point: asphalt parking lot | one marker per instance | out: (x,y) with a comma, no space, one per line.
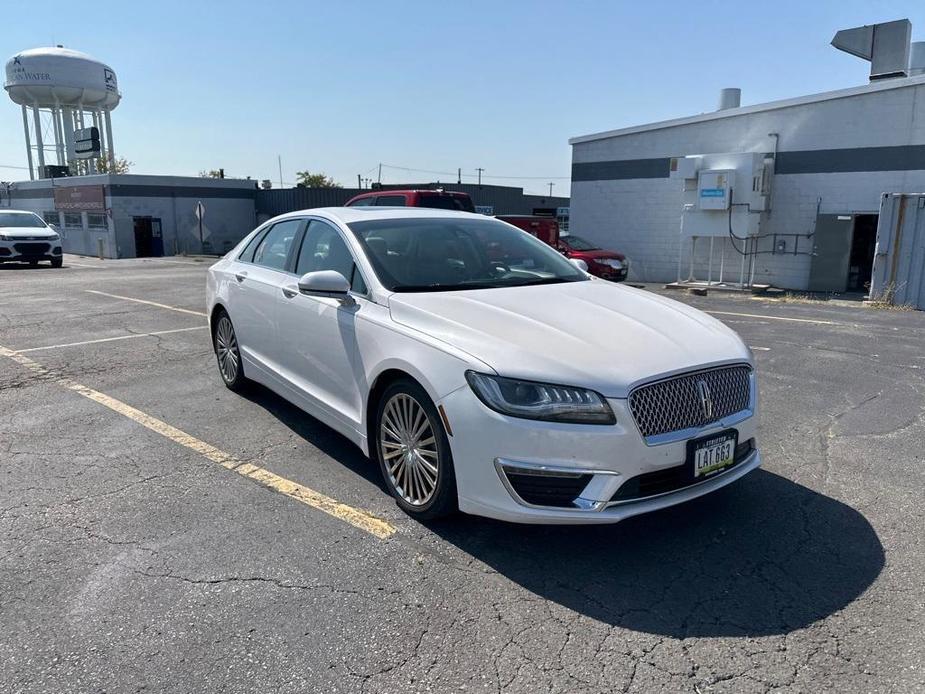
(160,533)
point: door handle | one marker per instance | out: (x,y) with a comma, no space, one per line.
(240,276)
(290,292)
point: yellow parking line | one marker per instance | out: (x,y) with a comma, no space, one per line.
(145,301)
(354,516)
(758,315)
(113,339)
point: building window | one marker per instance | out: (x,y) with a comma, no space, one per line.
(73,220)
(50,218)
(95,220)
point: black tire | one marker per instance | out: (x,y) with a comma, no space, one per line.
(33,263)
(57,262)
(228,353)
(416,457)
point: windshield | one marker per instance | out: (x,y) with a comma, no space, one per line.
(420,255)
(576,243)
(446,202)
(11,219)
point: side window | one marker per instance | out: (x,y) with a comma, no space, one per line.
(273,249)
(325,249)
(364,202)
(247,255)
(391,201)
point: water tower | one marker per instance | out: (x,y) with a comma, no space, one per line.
(66,97)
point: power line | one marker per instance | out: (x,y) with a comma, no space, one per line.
(454,173)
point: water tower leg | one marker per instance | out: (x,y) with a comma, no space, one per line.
(112,149)
(37,119)
(59,134)
(67,120)
(25,127)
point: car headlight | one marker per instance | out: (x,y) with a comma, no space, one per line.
(544,401)
(614,263)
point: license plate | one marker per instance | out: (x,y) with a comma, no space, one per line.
(713,453)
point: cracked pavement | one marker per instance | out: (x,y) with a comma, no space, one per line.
(130,563)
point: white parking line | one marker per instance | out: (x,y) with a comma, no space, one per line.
(758,315)
(111,339)
(145,301)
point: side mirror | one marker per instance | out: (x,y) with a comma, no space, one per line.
(579,263)
(326,283)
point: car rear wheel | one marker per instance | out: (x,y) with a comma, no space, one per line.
(414,453)
(228,353)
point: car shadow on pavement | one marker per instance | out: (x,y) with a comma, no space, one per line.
(316,433)
(763,556)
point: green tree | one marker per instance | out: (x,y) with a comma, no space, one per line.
(121,165)
(307,179)
(211,173)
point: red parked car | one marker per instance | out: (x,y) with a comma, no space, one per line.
(546,229)
(608,265)
(435,199)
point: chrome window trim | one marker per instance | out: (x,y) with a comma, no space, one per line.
(346,241)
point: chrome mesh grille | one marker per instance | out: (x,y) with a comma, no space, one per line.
(676,403)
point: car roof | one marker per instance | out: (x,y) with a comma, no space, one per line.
(397,191)
(5,210)
(347,215)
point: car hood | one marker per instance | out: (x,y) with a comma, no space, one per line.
(27,232)
(593,334)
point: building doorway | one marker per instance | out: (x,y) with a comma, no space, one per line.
(843,252)
(863,242)
(149,239)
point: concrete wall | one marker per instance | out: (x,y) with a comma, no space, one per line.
(837,154)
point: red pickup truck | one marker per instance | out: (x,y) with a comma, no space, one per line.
(435,199)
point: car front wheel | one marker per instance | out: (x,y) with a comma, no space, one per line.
(414,453)
(228,353)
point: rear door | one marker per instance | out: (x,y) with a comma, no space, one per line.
(832,253)
(259,276)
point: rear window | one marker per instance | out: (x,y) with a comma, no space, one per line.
(437,201)
(391,201)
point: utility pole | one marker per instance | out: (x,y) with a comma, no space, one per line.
(279,160)
(551,184)
(459,175)
(379,180)
(480,170)
(359,181)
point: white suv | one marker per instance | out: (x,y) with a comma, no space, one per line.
(26,238)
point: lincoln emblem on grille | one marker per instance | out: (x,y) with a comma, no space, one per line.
(706,399)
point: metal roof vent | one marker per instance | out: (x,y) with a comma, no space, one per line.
(917,61)
(731,97)
(885,45)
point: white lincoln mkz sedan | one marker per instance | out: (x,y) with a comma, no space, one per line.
(481,369)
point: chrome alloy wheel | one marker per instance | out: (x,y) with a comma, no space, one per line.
(226,349)
(409,449)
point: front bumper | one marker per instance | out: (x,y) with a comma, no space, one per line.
(594,461)
(24,251)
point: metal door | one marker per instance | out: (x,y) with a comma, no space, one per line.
(157,238)
(832,253)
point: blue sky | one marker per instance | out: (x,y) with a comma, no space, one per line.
(340,87)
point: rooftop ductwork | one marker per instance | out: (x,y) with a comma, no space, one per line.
(886,46)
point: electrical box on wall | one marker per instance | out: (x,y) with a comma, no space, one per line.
(713,189)
(683,167)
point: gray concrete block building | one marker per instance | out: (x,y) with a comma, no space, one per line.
(128,216)
(829,157)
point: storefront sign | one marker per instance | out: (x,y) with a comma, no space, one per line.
(79,198)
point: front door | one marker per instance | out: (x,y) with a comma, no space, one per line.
(143,237)
(317,335)
(832,253)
